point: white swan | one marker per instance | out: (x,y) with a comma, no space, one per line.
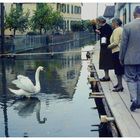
(25,85)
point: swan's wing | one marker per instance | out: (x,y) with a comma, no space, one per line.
(24,83)
(19,92)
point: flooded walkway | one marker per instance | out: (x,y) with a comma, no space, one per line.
(127,122)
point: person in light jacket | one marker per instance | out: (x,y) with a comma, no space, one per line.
(130,57)
(115,40)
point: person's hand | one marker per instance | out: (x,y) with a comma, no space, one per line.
(108,47)
(98,31)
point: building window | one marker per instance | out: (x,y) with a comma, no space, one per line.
(79,10)
(64,24)
(68,25)
(40,5)
(68,8)
(64,8)
(129,11)
(19,6)
(75,9)
(72,9)
(59,7)
(124,16)
(71,23)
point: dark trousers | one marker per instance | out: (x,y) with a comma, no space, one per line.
(118,68)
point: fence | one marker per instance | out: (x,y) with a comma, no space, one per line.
(22,43)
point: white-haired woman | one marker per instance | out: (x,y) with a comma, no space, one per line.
(115,40)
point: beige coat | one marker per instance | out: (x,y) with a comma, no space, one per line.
(115,40)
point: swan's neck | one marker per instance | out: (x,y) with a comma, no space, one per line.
(37,82)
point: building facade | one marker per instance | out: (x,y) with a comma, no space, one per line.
(125,11)
(25,7)
(71,12)
(109,12)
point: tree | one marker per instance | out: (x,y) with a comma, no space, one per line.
(87,25)
(83,25)
(77,26)
(16,20)
(41,18)
(56,20)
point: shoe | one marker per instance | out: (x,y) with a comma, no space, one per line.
(115,86)
(104,79)
(133,106)
(118,89)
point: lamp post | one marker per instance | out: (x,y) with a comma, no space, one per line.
(97,10)
(1,28)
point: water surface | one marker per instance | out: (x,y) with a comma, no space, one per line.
(61,109)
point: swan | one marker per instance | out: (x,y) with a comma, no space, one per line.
(25,85)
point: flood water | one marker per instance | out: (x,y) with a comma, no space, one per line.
(61,109)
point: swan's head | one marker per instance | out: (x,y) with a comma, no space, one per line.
(40,68)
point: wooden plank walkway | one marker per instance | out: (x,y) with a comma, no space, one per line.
(127,122)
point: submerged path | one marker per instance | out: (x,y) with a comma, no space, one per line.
(127,122)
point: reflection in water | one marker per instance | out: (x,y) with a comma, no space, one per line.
(56,111)
(60,78)
(26,106)
(4,94)
(58,82)
(103,129)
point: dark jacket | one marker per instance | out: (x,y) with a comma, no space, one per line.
(105,61)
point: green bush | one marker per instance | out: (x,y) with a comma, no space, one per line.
(32,33)
(77,26)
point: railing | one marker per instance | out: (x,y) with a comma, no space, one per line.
(22,43)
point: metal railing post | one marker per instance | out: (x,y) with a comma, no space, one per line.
(2,28)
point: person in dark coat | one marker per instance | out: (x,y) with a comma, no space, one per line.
(105,61)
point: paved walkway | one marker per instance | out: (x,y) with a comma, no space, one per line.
(128,122)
